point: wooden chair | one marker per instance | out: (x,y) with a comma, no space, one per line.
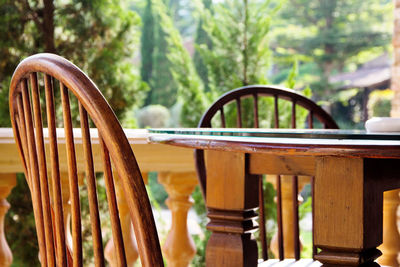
(28,121)
(276,96)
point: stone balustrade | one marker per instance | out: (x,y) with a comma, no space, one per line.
(176,170)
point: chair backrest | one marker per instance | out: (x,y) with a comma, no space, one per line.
(28,121)
(260,96)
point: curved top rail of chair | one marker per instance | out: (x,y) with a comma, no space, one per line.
(267,90)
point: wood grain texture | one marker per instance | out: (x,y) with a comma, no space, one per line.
(348,211)
(285,165)
(55,174)
(44,187)
(232,215)
(74,81)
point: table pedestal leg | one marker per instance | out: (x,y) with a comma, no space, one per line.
(348,212)
(231,200)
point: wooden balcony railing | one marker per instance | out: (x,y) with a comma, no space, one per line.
(176,170)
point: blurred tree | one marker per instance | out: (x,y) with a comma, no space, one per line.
(190,87)
(156,67)
(181,12)
(99,36)
(331,33)
(395,82)
(147,46)
(240,51)
(164,87)
(202,38)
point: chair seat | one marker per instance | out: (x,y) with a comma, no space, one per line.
(290,262)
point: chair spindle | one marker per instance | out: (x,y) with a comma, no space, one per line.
(113,207)
(279,216)
(239,113)
(311,120)
(24,141)
(296,227)
(34,174)
(61,249)
(44,187)
(221,112)
(73,179)
(276,112)
(261,216)
(293,114)
(255,107)
(91,185)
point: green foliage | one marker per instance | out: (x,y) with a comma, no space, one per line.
(190,87)
(240,51)
(331,34)
(164,87)
(379,103)
(158,193)
(154,116)
(202,38)
(98,36)
(202,239)
(20,226)
(147,43)
(105,223)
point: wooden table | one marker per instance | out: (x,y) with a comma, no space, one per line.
(351,169)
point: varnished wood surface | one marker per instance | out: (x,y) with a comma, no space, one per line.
(284,146)
(348,188)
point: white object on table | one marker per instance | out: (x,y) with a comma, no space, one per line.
(383,124)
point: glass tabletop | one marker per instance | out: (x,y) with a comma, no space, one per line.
(282,133)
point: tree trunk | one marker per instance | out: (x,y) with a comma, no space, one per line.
(395,81)
(48,26)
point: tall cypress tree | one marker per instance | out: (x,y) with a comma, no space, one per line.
(189,85)
(147,47)
(164,87)
(202,39)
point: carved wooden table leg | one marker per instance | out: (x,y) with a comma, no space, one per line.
(348,212)
(287,213)
(179,248)
(7,182)
(232,212)
(391,238)
(131,250)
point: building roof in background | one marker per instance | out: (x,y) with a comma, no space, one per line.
(372,74)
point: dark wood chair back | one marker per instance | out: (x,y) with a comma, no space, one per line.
(28,121)
(276,95)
